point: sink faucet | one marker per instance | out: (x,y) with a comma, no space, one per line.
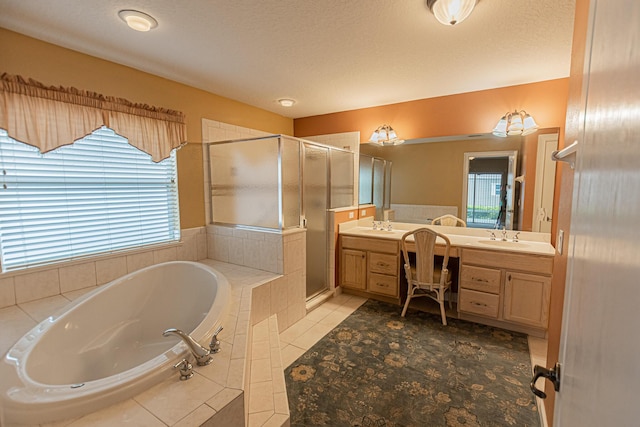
(515,236)
(202,355)
(504,234)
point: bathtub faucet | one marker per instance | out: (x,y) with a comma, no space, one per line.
(202,355)
(214,346)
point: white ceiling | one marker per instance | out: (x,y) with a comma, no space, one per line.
(328,55)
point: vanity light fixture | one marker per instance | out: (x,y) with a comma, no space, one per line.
(451,12)
(516,123)
(137,20)
(286,102)
(385,135)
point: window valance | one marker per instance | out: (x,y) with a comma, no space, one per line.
(48,117)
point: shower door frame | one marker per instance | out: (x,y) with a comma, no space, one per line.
(328,232)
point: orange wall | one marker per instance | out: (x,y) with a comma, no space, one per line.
(57,66)
(461,114)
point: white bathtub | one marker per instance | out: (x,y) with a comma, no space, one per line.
(108,345)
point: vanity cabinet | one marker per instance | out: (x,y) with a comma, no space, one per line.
(353,269)
(370,267)
(505,289)
(526,298)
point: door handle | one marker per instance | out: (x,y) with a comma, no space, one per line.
(552,375)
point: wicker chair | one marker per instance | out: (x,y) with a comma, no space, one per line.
(449,220)
(425,278)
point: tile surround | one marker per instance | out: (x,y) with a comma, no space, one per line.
(280,253)
(7,292)
(214,396)
(32,286)
(20,287)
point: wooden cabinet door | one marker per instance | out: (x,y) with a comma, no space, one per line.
(526,299)
(353,269)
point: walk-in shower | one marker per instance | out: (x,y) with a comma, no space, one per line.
(279,182)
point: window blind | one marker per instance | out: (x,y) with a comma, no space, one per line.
(98,195)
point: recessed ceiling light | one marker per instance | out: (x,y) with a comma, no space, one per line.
(286,102)
(137,20)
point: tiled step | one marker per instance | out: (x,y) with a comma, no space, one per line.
(268,404)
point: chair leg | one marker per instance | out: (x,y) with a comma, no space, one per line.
(406,304)
(443,314)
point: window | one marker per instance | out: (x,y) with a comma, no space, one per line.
(96,196)
(483,193)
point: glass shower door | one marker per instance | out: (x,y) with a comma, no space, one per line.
(314,205)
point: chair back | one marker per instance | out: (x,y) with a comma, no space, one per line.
(425,246)
(449,220)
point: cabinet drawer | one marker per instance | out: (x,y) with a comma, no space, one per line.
(513,261)
(369,244)
(479,303)
(381,284)
(480,279)
(383,263)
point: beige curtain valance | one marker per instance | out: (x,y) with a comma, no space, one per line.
(49,117)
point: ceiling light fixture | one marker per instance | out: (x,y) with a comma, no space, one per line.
(451,12)
(516,123)
(137,20)
(286,102)
(385,135)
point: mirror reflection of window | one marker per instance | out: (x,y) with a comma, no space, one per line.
(484,198)
(489,189)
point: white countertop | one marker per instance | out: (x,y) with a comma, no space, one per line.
(461,237)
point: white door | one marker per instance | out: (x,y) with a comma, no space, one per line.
(600,342)
(545,183)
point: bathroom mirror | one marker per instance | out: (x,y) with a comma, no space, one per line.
(430,171)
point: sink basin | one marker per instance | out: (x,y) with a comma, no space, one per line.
(503,244)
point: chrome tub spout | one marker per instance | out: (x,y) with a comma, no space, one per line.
(202,355)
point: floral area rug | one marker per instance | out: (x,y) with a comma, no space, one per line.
(379,369)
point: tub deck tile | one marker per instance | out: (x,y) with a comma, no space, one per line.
(217,393)
(172,399)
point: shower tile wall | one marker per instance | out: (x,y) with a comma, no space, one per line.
(24,287)
(283,254)
(255,249)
